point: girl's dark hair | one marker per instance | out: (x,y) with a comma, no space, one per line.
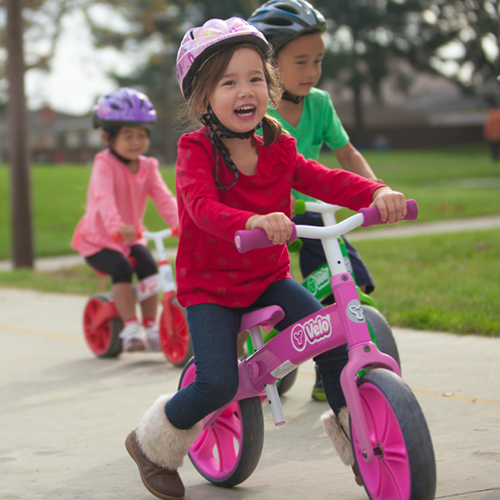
(213,70)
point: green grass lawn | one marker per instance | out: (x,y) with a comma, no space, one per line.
(444,282)
(59,194)
(449,183)
(431,177)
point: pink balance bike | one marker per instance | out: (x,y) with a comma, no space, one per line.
(390,437)
(102,323)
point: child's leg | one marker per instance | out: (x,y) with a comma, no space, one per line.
(312,255)
(149,307)
(124,297)
(119,268)
(363,277)
(167,430)
(213,330)
(145,266)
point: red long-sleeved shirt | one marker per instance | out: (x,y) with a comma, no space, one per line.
(209,269)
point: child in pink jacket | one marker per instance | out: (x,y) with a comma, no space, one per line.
(121,181)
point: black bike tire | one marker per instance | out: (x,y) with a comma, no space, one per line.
(286,383)
(116,345)
(382,331)
(414,429)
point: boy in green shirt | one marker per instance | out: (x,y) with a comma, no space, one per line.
(294,28)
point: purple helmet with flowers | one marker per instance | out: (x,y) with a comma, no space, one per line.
(200,43)
(123,107)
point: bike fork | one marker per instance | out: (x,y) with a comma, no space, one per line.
(363,354)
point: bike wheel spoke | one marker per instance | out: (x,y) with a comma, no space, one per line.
(226,450)
(230,423)
(203,443)
(396,454)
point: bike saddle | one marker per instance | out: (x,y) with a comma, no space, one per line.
(266,318)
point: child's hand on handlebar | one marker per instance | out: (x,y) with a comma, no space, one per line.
(127,233)
(391,204)
(277,226)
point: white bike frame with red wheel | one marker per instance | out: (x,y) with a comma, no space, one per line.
(174,331)
(102,323)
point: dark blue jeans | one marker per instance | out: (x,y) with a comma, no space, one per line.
(213,331)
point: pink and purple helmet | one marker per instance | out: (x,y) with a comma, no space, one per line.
(123,107)
(200,43)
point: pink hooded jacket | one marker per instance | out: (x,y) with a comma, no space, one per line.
(116,197)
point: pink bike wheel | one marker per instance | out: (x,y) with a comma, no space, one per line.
(227,452)
(404,466)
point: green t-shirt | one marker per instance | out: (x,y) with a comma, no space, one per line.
(318,124)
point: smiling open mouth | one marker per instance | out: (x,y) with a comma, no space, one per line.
(245,111)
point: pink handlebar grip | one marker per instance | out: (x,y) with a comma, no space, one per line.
(372,216)
(256,238)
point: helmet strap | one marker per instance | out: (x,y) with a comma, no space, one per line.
(292,98)
(218,130)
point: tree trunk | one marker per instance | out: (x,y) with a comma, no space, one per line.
(22,237)
(170,143)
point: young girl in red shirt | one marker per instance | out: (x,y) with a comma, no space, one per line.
(230,179)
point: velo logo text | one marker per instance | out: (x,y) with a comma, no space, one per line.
(312,331)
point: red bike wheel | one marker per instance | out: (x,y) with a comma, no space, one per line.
(174,334)
(228,451)
(404,465)
(103,339)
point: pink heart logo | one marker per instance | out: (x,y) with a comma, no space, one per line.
(298,337)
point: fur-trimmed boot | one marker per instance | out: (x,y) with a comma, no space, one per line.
(337,429)
(158,448)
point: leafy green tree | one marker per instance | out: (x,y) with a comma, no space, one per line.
(457,38)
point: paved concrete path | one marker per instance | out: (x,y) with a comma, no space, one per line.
(399,231)
(64,415)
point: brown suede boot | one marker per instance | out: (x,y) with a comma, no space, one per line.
(337,429)
(158,448)
(156,479)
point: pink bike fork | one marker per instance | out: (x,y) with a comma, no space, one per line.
(363,354)
(305,340)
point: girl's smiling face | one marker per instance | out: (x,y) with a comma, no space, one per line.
(299,62)
(130,142)
(240,97)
